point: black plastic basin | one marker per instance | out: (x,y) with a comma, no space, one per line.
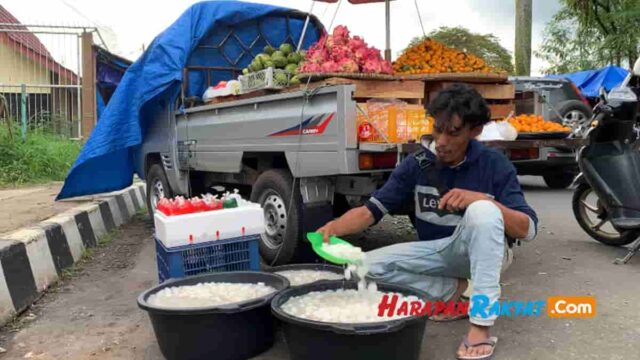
(314,340)
(228,332)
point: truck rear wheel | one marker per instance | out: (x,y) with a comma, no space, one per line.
(157,187)
(559,179)
(282,205)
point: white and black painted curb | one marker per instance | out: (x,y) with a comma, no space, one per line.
(33,258)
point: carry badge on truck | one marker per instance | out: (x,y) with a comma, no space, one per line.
(314,125)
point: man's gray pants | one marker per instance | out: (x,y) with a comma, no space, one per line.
(475,251)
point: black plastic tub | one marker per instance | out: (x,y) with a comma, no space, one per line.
(320,267)
(313,340)
(228,332)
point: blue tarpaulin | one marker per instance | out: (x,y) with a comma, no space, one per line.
(590,81)
(106,162)
(110,69)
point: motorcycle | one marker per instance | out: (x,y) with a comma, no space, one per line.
(606,201)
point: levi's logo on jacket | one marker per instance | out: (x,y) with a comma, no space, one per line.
(427,201)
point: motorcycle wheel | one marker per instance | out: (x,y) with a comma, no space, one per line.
(585,203)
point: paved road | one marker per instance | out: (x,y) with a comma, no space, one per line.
(93,315)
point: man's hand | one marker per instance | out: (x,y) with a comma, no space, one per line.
(352,222)
(327,230)
(458,199)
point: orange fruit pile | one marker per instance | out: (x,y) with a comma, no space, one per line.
(431,57)
(527,123)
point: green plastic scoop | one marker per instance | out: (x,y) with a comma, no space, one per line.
(316,243)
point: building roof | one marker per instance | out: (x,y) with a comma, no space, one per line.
(30,45)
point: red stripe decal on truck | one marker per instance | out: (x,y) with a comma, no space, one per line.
(314,125)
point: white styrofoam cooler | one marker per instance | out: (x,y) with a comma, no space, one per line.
(205,226)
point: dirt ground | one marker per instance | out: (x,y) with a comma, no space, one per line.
(30,205)
(94,315)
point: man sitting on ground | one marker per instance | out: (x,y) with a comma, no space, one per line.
(467,198)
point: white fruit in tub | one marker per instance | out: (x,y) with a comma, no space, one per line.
(301,277)
(208,294)
(341,306)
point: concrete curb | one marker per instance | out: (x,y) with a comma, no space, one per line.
(33,258)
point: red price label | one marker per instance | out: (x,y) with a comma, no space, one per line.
(365,131)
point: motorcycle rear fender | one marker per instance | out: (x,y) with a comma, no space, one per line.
(579,179)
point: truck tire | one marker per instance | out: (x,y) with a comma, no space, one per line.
(572,111)
(157,187)
(558,180)
(274,190)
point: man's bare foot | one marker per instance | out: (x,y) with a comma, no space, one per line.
(462,287)
(476,334)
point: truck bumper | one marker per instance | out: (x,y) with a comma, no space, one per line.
(549,160)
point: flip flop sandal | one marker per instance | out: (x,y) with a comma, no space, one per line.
(448,318)
(451,318)
(492,341)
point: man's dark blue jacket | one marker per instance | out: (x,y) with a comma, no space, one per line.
(484,170)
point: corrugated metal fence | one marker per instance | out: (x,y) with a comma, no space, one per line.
(40,77)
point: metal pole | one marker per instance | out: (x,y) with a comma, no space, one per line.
(23,111)
(306,24)
(78,89)
(88,92)
(387,51)
(18,26)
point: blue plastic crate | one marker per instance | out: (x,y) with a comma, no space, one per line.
(237,254)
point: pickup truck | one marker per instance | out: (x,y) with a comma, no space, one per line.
(296,153)
(556,100)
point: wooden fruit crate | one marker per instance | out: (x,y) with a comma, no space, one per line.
(417,89)
(499,96)
(410,91)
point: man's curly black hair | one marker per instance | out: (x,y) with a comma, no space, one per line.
(461,100)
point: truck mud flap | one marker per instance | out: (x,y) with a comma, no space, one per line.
(314,216)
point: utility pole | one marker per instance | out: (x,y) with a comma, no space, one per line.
(523,37)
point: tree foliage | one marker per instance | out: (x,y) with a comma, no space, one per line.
(568,48)
(485,46)
(592,33)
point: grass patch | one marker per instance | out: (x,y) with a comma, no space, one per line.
(88,253)
(108,238)
(42,158)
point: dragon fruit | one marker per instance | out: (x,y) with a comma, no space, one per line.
(339,52)
(372,66)
(310,68)
(387,68)
(357,43)
(361,55)
(341,35)
(317,56)
(330,67)
(349,66)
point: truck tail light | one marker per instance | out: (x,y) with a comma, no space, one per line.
(579,93)
(524,154)
(365,161)
(370,161)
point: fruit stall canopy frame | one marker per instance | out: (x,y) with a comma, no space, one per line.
(387,50)
(150,87)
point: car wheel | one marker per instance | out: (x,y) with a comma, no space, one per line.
(282,215)
(559,179)
(157,187)
(573,112)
